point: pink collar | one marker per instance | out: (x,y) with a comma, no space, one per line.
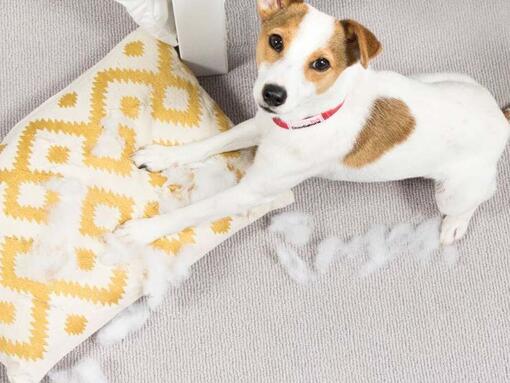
(307,122)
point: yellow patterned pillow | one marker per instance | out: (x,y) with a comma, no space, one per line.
(66,179)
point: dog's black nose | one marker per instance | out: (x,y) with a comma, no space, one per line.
(274,95)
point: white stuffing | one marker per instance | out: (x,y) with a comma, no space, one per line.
(181,176)
(179,270)
(161,272)
(42,263)
(211,178)
(450,256)
(421,241)
(332,248)
(197,181)
(155,284)
(400,235)
(205,179)
(296,227)
(109,143)
(383,244)
(295,267)
(426,239)
(355,247)
(168,203)
(328,250)
(128,321)
(118,252)
(377,250)
(51,253)
(380,245)
(85,371)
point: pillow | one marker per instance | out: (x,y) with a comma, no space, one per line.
(66,180)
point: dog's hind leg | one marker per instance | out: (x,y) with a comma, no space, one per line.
(158,157)
(459,194)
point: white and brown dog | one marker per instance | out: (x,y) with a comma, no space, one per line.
(324,113)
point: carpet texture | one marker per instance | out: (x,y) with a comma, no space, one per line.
(240,318)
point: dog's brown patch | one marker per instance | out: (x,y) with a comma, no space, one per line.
(335,53)
(390,123)
(285,23)
(506,112)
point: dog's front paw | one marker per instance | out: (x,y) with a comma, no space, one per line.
(141,231)
(154,158)
(452,229)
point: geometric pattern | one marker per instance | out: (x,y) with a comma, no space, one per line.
(125,96)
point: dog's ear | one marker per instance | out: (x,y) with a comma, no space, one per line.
(268,8)
(360,44)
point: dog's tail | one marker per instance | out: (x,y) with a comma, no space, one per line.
(506,112)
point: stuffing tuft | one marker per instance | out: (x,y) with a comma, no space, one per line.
(421,241)
(426,239)
(196,182)
(293,264)
(450,256)
(168,203)
(211,178)
(296,227)
(109,143)
(181,177)
(117,252)
(51,253)
(156,281)
(355,247)
(161,272)
(179,270)
(128,321)
(380,245)
(328,250)
(85,371)
(400,235)
(155,284)
(377,250)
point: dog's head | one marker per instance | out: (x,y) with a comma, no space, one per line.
(302,54)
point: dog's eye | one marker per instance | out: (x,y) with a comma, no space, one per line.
(276,42)
(321,64)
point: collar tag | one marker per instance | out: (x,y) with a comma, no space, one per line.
(307,122)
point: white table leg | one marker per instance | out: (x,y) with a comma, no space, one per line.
(202,35)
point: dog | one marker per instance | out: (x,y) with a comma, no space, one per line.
(322,112)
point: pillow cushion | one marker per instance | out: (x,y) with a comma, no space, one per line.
(66,180)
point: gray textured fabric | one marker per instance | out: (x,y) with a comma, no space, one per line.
(240,318)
